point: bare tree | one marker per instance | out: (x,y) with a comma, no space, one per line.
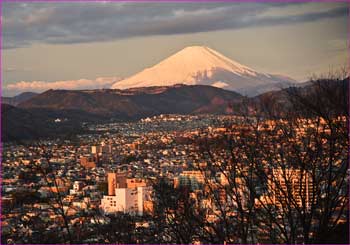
(278,174)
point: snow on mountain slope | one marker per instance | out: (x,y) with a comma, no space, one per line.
(204,66)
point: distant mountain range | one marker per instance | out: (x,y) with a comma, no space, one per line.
(61,112)
(329,95)
(199,65)
(138,102)
(15,100)
(194,80)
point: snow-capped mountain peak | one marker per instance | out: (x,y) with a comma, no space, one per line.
(199,65)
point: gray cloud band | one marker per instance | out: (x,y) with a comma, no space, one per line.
(25,24)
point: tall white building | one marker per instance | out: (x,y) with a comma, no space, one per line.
(127,200)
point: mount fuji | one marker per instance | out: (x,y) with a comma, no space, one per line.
(200,65)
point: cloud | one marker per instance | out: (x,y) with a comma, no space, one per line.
(67,23)
(40,86)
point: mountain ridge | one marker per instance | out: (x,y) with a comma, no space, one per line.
(200,65)
(15,100)
(36,117)
(138,102)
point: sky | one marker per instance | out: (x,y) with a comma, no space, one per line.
(86,45)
